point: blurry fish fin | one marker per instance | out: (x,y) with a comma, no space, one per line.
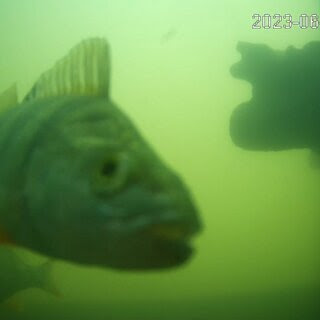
(9,98)
(46,280)
(84,71)
(5,238)
(315,159)
(14,304)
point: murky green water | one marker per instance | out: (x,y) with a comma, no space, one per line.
(258,257)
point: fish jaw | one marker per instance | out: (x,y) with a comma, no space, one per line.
(160,236)
(156,254)
(158,239)
(155,245)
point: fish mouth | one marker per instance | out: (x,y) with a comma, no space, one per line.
(173,241)
(169,243)
(171,231)
(158,246)
(171,253)
(157,255)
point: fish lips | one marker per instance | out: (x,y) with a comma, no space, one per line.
(151,254)
(158,246)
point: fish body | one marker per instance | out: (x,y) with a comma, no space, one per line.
(78,181)
(16,275)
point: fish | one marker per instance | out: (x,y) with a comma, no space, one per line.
(169,35)
(79,183)
(283,112)
(16,275)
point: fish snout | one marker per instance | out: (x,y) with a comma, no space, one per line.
(182,219)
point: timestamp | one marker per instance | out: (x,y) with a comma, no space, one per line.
(286,21)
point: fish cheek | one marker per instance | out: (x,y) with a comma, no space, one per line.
(54,199)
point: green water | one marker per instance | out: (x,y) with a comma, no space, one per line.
(258,256)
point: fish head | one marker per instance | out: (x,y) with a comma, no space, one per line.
(98,193)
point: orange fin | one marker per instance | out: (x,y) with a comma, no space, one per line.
(4,237)
(14,304)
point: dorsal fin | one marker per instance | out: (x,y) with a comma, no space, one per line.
(84,71)
(9,98)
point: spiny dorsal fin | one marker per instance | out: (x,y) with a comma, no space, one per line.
(9,98)
(85,71)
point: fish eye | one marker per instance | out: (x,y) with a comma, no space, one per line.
(109,168)
(111,175)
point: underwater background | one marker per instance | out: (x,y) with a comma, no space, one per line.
(258,255)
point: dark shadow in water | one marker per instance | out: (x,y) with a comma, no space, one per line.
(284,112)
(289,304)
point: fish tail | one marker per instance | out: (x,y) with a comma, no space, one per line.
(46,279)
